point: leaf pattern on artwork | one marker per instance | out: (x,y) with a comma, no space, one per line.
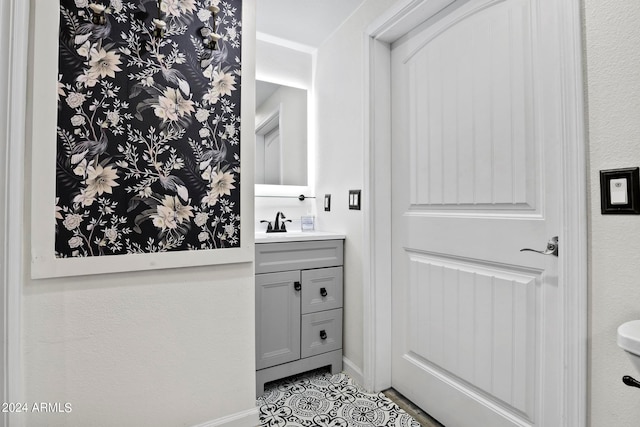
(148,137)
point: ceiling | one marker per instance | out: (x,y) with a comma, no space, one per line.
(307,22)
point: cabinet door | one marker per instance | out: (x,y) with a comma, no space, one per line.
(321,289)
(277,319)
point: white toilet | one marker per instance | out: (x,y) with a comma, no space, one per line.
(629,340)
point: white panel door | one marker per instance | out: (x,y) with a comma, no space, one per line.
(476,154)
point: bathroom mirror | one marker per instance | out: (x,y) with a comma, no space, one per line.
(281,135)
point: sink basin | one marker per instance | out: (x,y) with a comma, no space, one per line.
(629,341)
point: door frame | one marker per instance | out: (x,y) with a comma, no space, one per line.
(377,332)
(14,16)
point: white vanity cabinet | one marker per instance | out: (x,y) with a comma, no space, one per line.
(298,308)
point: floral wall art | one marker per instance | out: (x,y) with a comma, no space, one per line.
(148,131)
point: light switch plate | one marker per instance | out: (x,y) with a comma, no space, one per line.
(327,202)
(354,199)
(620,191)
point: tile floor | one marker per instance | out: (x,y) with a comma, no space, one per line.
(409,407)
(319,399)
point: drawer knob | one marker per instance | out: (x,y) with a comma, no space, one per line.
(297,286)
(323,335)
(323,292)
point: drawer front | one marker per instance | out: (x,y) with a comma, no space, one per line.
(272,257)
(321,289)
(321,332)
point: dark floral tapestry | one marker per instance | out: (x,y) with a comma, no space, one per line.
(148,137)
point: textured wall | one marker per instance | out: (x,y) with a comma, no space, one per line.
(165,348)
(612,39)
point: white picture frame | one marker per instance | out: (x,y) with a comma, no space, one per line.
(42,175)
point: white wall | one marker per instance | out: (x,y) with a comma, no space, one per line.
(283,65)
(169,347)
(267,207)
(340,152)
(612,43)
(164,348)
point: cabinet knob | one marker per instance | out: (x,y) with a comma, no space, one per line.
(297,286)
(323,335)
(323,292)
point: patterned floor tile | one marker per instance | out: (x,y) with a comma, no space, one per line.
(324,400)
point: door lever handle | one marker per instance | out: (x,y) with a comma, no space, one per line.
(552,248)
(630,381)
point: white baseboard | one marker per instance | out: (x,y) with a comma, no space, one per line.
(248,418)
(353,371)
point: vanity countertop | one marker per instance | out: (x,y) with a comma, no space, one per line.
(296,236)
